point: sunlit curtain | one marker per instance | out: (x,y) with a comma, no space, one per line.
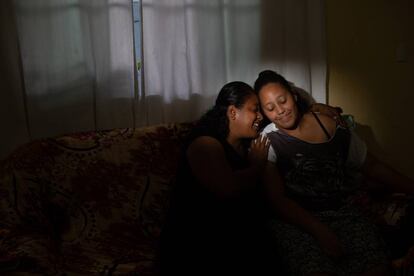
(68,65)
(193,47)
(77,64)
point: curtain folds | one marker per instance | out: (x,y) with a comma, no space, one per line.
(193,47)
(77,59)
(68,65)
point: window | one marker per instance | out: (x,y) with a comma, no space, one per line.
(136,9)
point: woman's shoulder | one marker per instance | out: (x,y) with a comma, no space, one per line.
(206,140)
(204,144)
(328,122)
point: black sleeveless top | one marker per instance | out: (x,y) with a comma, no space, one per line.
(193,202)
(315,173)
(205,230)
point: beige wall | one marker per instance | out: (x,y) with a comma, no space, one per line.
(366,79)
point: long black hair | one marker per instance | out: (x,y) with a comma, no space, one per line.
(215,121)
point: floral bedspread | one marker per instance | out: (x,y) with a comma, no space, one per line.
(88,203)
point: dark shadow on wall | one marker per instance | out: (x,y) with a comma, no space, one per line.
(280,26)
(271,50)
(365,133)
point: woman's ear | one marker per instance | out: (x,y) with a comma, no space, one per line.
(232,112)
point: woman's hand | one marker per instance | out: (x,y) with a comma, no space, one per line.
(333,112)
(259,149)
(329,242)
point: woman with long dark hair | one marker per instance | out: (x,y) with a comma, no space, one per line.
(213,226)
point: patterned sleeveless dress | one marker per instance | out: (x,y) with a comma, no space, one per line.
(317,178)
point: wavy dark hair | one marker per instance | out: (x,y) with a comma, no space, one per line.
(215,121)
(269,76)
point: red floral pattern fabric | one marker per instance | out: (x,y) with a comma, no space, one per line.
(88,203)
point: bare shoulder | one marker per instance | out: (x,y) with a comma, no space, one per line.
(205,145)
(205,141)
(206,157)
(328,122)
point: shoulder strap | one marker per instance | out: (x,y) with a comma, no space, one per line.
(322,126)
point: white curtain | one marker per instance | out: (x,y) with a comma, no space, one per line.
(68,65)
(77,59)
(193,47)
